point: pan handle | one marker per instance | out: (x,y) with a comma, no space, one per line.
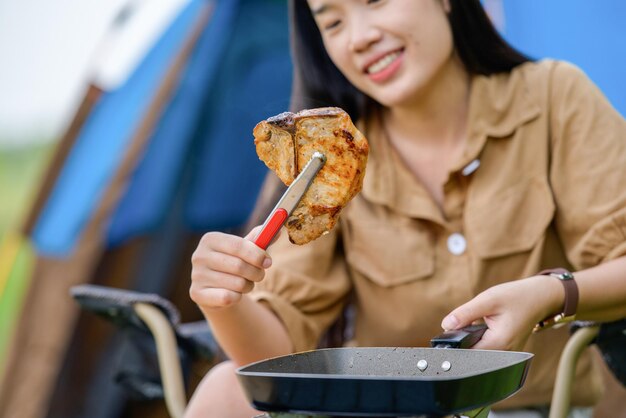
(459,338)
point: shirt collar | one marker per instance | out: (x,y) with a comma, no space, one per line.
(379,182)
(499,104)
(387,182)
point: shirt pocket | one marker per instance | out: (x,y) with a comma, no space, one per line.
(390,255)
(512,221)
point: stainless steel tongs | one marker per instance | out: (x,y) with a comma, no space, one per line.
(289,201)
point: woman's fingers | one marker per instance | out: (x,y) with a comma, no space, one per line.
(502,335)
(236,246)
(474,310)
(510,310)
(224,267)
(212,298)
(233,265)
(255,232)
(216,279)
(217,289)
(478,309)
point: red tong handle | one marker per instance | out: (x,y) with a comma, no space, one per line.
(271,228)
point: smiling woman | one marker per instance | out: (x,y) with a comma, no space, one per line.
(475,42)
(386,50)
(477,179)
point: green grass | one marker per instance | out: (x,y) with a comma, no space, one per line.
(20,172)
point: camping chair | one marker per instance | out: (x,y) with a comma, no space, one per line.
(176,344)
(140,316)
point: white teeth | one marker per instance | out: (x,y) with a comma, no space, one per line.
(382,63)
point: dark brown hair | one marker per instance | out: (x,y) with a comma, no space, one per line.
(317,82)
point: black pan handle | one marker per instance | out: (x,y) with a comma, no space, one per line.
(459,338)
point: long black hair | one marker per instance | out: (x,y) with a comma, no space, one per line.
(317,82)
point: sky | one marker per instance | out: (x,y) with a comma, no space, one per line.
(46,47)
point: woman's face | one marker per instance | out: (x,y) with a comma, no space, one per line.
(389,49)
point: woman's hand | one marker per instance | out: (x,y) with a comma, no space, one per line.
(224,267)
(510,310)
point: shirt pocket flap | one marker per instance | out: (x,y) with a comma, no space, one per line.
(513,221)
(388,255)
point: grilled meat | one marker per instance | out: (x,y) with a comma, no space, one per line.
(286,142)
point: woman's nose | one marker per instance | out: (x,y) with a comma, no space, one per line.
(363,35)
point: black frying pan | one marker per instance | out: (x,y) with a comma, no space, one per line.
(387,381)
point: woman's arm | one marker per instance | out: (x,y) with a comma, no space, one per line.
(224,268)
(602,291)
(512,309)
(586,174)
(256,317)
(249,331)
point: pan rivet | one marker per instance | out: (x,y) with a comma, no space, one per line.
(422,365)
(446,366)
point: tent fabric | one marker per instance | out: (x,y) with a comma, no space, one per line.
(162,263)
(45,326)
(553,29)
(102,142)
(61,151)
(151,189)
(182,121)
(240,74)
(135,30)
(227,174)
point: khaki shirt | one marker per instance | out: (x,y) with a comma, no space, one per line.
(550,191)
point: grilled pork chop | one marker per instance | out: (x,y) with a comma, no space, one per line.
(286,142)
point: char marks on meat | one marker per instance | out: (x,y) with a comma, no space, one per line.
(286,142)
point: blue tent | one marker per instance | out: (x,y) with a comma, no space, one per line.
(204,131)
(588,34)
(160,151)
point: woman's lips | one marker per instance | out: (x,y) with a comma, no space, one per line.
(385,67)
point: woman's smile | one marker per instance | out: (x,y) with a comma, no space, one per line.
(392,51)
(385,67)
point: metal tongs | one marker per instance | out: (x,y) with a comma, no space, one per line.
(289,201)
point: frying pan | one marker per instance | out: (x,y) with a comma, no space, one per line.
(387,381)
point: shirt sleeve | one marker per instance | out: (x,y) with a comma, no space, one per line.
(306,286)
(588,169)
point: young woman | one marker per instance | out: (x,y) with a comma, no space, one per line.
(485,169)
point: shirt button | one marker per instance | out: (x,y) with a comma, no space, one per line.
(456,244)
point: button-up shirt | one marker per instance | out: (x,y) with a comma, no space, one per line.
(541,184)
